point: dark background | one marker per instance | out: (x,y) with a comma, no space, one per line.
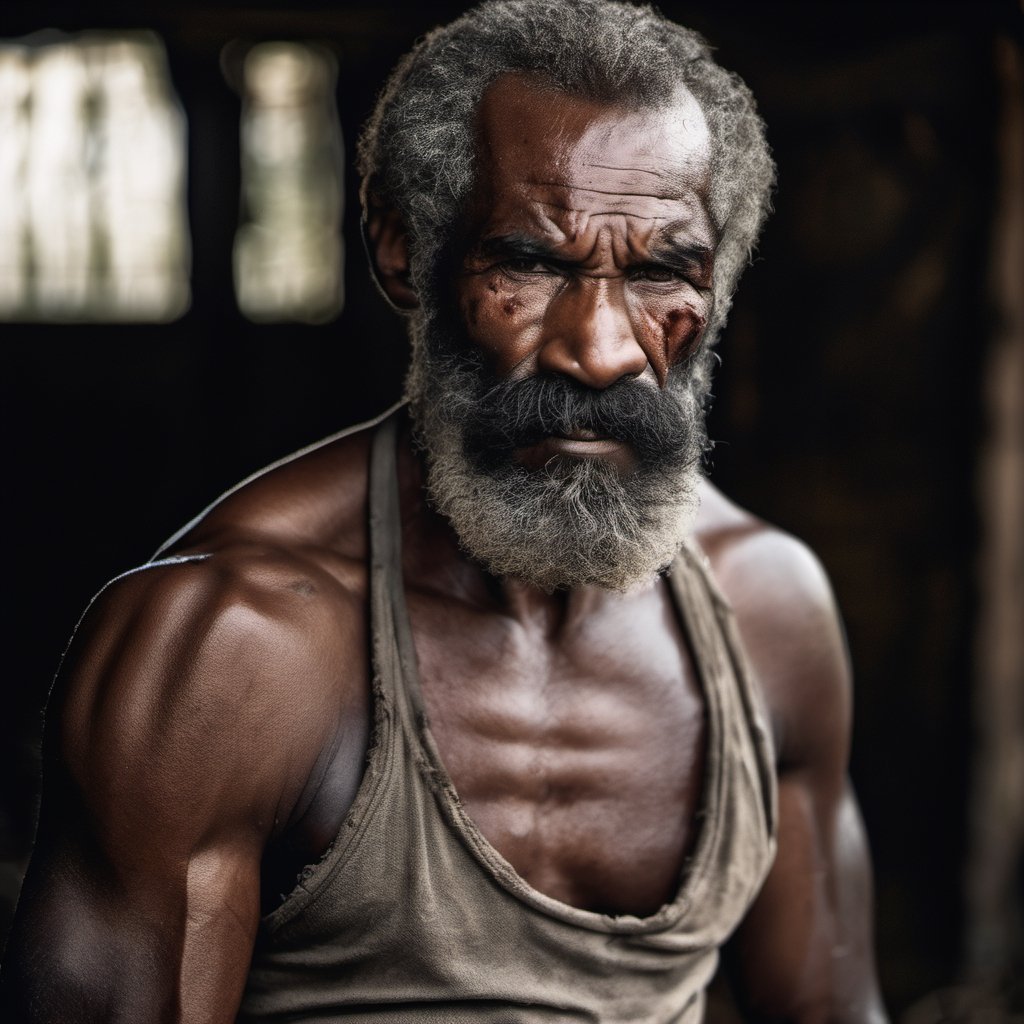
(849,406)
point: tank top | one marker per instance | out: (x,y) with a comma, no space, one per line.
(413,917)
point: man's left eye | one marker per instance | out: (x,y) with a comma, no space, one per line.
(659,275)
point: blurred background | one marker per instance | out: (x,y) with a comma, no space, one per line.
(184,298)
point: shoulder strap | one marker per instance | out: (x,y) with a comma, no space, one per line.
(721,657)
(385,554)
(393,648)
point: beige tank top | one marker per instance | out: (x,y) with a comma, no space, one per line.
(412,916)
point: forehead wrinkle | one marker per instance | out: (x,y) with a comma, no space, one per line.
(679,180)
(577,229)
(623,247)
(694,160)
(573,187)
(625,167)
(602,213)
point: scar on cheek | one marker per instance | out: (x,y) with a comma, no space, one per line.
(682,326)
(670,322)
(511,305)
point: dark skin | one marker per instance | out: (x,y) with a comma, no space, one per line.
(209,726)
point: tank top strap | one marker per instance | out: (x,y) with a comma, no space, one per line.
(688,584)
(393,650)
(722,659)
(384,531)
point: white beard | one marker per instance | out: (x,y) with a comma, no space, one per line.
(578,522)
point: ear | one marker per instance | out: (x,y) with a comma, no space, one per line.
(387,246)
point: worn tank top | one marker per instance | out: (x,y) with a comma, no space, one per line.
(412,915)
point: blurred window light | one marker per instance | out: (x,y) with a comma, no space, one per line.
(288,254)
(93,217)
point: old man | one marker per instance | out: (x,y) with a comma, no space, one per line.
(493,709)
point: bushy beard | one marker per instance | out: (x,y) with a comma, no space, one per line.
(575,521)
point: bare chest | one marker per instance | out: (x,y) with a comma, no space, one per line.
(577,751)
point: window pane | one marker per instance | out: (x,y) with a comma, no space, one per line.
(288,257)
(93,220)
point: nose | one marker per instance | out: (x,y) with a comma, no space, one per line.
(588,334)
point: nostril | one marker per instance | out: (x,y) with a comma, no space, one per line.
(595,364)
(595,368)
(589,336)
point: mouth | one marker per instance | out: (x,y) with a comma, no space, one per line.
(578,444)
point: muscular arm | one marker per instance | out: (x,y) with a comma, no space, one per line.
(170,761)
(804,953)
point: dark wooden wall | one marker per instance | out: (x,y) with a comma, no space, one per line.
(847,410)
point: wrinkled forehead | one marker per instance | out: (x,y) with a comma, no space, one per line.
(532,133)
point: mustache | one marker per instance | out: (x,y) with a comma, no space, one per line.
(516,414)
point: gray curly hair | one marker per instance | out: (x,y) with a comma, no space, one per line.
(417,151)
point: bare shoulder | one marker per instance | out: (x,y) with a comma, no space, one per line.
(790,625)
(760,567)
(236,657)
(204,678)
(195,695)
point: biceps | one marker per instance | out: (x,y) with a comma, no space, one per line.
(776,955)
(222,915)
(805,946)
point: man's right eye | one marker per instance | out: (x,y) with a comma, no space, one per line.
(525,265)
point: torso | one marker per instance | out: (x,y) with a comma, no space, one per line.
(575,747)
(575,738)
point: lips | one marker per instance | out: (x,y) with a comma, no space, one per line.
(578,444)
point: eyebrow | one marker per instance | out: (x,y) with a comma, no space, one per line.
(675,252)
(516,243)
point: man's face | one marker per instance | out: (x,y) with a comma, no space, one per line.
(558,401)
(590,246)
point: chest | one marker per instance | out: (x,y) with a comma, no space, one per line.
(576,748)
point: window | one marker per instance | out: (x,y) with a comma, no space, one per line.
(93,220)
(288,255)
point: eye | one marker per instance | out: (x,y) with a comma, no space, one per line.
(525,265)
(657,274)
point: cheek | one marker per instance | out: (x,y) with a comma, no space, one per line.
(673,328)
(502,319)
